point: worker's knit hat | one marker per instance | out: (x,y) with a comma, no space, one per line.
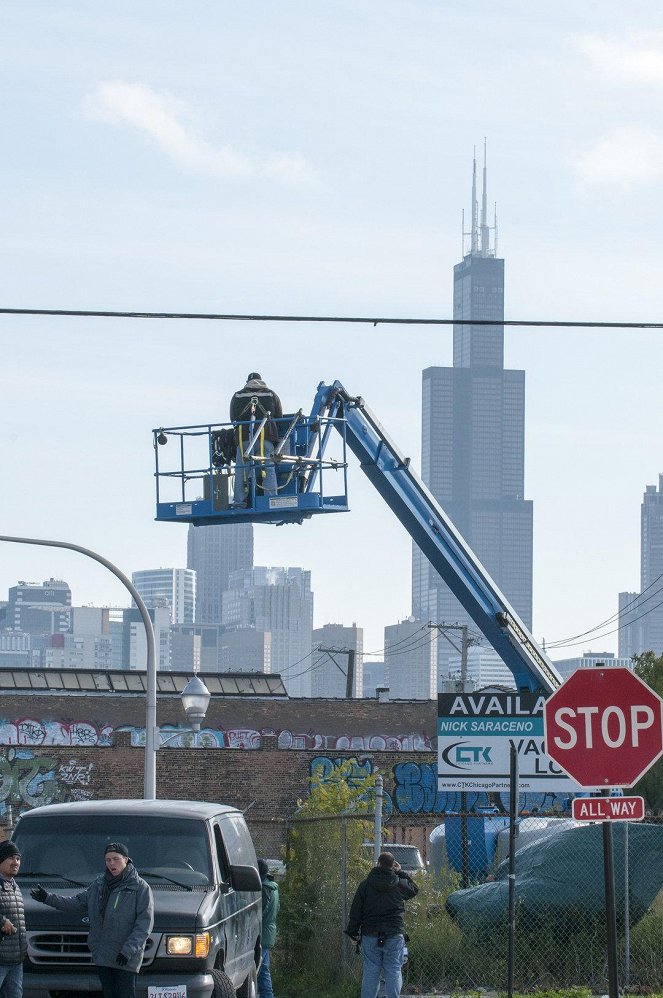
(8,849)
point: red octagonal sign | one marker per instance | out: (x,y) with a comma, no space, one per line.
(604,727)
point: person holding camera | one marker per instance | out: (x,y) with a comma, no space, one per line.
(377,919)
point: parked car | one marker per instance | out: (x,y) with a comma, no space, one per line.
(407,856)
(200,862)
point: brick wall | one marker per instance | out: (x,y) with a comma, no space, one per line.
(268,780)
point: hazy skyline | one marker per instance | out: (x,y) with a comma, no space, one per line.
(315,159)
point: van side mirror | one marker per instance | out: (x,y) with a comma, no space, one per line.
(245,878)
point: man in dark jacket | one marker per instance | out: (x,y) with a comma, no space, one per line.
(120,911)
(13,943)
(270,909)
(376,915)
(248,407)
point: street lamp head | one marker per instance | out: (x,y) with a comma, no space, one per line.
(195,699)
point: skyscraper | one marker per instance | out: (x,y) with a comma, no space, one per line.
(641,614)
(214,552)
(277,601)
(172,587)
(473,439)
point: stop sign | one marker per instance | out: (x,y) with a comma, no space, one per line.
(604,727)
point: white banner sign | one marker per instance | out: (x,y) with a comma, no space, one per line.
(475,732)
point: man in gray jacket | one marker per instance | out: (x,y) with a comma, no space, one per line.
(13,944)
(120,911)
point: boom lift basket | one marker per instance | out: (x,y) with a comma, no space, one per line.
(195,475)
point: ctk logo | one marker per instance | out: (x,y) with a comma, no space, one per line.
(460,755)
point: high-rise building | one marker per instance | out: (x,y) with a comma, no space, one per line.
(134,638)
(38,609)
(171,587)
(334,646)
(278,601)
(214,552)
(410,660)
(473,433)
(641,614)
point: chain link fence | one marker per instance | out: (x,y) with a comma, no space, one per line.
(459,935)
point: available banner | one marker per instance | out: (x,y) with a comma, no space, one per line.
(475,732)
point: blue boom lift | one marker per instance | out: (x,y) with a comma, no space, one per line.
(311,470)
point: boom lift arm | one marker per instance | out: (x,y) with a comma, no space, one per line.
(424,519)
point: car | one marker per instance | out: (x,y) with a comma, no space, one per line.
(200,862)
(407,856)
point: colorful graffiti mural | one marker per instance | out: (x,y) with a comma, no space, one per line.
(28,731)
(415,790)
(28,780)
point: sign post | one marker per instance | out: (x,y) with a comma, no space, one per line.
(604,727)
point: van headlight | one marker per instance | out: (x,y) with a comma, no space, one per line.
(197,945)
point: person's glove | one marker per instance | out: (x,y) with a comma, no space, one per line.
(121,960)
(38,893)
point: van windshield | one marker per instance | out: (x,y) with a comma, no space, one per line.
(73,846)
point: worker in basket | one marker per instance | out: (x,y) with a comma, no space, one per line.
(249,407)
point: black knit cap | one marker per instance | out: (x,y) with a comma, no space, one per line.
(8,849)
(254,377)
(117,847)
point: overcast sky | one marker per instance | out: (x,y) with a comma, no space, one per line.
(314,157)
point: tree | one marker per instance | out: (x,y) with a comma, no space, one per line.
(649,667)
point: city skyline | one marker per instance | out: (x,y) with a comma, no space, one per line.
(242,181)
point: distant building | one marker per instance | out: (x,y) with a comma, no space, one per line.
(134,638)
(246,649)
(484,668)
(373,677)
(410,661)
(171,587)
(473,440)
(195,647)
(278,601)
(641,614)
(632,625)
(38,609)
(214,552)
(590,660)
(329,673)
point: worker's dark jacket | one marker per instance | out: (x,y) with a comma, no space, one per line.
(13,948)
(255,401)
(379,904)
(123,926)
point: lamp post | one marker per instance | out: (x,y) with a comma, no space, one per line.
(149,782)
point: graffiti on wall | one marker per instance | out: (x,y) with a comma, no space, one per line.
(28,731)
(250,738)
(28,780)
(415,789)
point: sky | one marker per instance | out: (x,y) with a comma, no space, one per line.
(314,158)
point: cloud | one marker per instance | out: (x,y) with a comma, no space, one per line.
(637,60)
(626,155)
(160,116)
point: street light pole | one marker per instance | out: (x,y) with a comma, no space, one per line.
(150,782)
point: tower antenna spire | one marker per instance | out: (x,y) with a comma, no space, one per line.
(474,245)
(485,231)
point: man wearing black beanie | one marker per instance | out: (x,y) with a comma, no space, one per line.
(13,943)
(120,911)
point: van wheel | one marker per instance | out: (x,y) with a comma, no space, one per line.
(223,986)
(249,988)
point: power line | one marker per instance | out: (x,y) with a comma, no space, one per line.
(638,603)
(361,319)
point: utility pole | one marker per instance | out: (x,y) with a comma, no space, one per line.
(349,672)
(465,642)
